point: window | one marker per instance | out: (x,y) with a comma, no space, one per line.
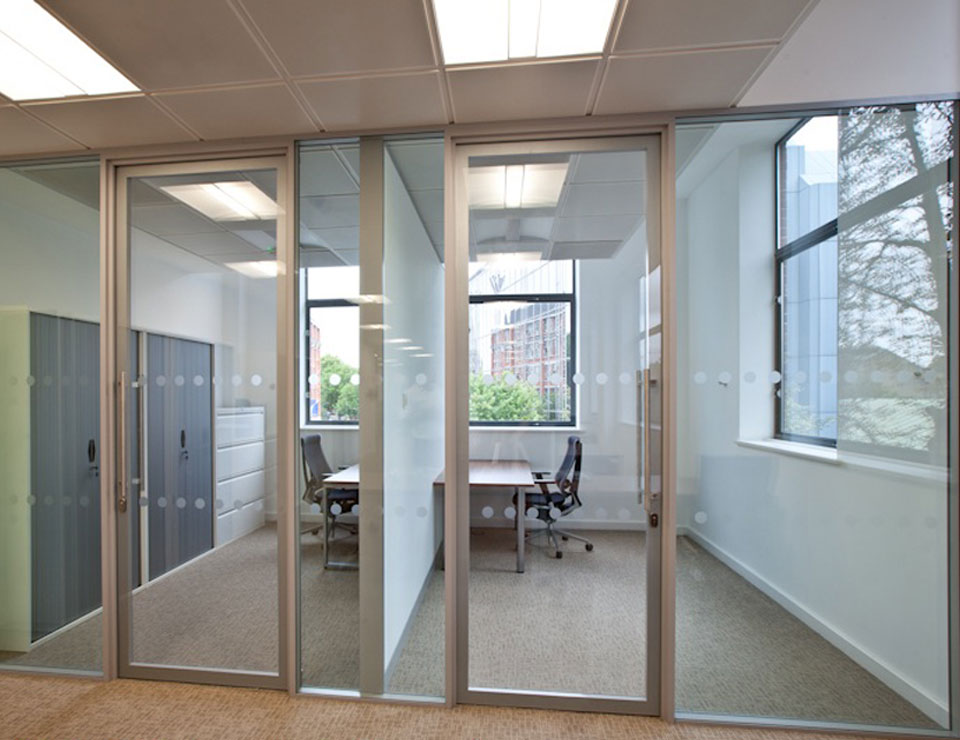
(331,360)
(522,316)
(807,282)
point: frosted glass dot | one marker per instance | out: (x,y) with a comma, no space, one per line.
(237,381)
(255,380)
(355,509)
(750,376)
(161,380)
(238,504)
(355,379)
(800,377)
(162,502)
(47,380)
(929,376)
(487,512)
(84,501)
(555,513)
(400,512)
(578,378)
(200,503)
(602,378)
(779,394)
(510,512)
(66,501)
(181,503)
(623,514)
(700,517)
(216,380)
(336,509)
(601,513)
(313,379)
(31,500)
(314,508)
(422,512)
(700,378)
(624,378)
(144,501)
(878,376)
(825,376)
(774,377)
(335,379)
(31,381)
(532,512)
(533,378)
(488,379)
(556,379)
(198,380)
(725,377)
(510,379)
(178,381)
(903,376)
(48,500)
(421,379)
(219,503)
(851,376)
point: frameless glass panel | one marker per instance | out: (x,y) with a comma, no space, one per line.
(812,583)
(199,539)
(564,330)
(50,452)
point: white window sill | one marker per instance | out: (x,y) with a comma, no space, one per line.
(307,428)
(793,449)
(524,429)
(830,456)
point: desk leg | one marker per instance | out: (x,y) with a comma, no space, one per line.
(521,521)
(326,530)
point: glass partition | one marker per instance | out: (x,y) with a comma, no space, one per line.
(50,451)
(814,498)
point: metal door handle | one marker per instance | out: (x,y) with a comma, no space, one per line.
(647,504)
(122,476)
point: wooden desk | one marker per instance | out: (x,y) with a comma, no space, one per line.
(513,474)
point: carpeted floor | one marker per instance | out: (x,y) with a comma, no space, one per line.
(52,708)
(570,625)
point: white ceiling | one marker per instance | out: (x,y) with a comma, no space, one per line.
(225,69)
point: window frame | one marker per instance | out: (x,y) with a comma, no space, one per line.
(782,253)
(305,365)
(568,298)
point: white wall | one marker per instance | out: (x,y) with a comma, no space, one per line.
(858,553)
(413,424)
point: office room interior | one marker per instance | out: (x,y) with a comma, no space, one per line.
(635,412)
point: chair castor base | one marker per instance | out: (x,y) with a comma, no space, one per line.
(565,538)
(559,554)
(589,547)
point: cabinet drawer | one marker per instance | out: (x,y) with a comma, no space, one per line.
(245,489)
(239,460)
(236,428)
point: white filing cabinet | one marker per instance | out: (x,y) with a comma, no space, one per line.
(241,488)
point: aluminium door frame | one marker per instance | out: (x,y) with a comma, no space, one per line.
(660,591)
(115,308)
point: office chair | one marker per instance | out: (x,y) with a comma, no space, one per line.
(315,470)
(560,492)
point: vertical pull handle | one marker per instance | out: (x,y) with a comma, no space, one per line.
(183,439)
(122,427)
(645,391)
(91,451)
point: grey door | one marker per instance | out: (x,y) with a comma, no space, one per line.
(179,458)
(65,459)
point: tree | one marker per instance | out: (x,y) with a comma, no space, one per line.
(331,393)
(348,401)
(500,401)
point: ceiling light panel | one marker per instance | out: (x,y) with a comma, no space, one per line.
(473,31)
(225,201)
(41,58)
(516,186)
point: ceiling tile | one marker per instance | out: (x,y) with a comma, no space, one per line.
(314,37)
(237,112)
(102,123)
(377,102)
(322,173)
(173,43)
(659,24)
(541,90)
(603,199)
(689,80)
(330,211)
(171,219)
(420,162)
(22,134)
(219,242)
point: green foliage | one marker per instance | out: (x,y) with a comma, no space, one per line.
(338,401)
(499,401)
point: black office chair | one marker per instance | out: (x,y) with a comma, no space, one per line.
(315,470)
(559,492)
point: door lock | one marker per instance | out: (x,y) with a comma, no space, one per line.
(654,520)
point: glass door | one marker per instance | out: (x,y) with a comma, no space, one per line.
(199,367)
(558,366)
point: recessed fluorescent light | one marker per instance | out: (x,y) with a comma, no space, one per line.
(474,31)
(509,257)
(375,327)
(258,269)
(412,348)
(226,201)
(516,185)
(41,58)
(423,354)
(397,340)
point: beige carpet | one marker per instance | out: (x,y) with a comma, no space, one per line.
(570,625)
(50,708)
